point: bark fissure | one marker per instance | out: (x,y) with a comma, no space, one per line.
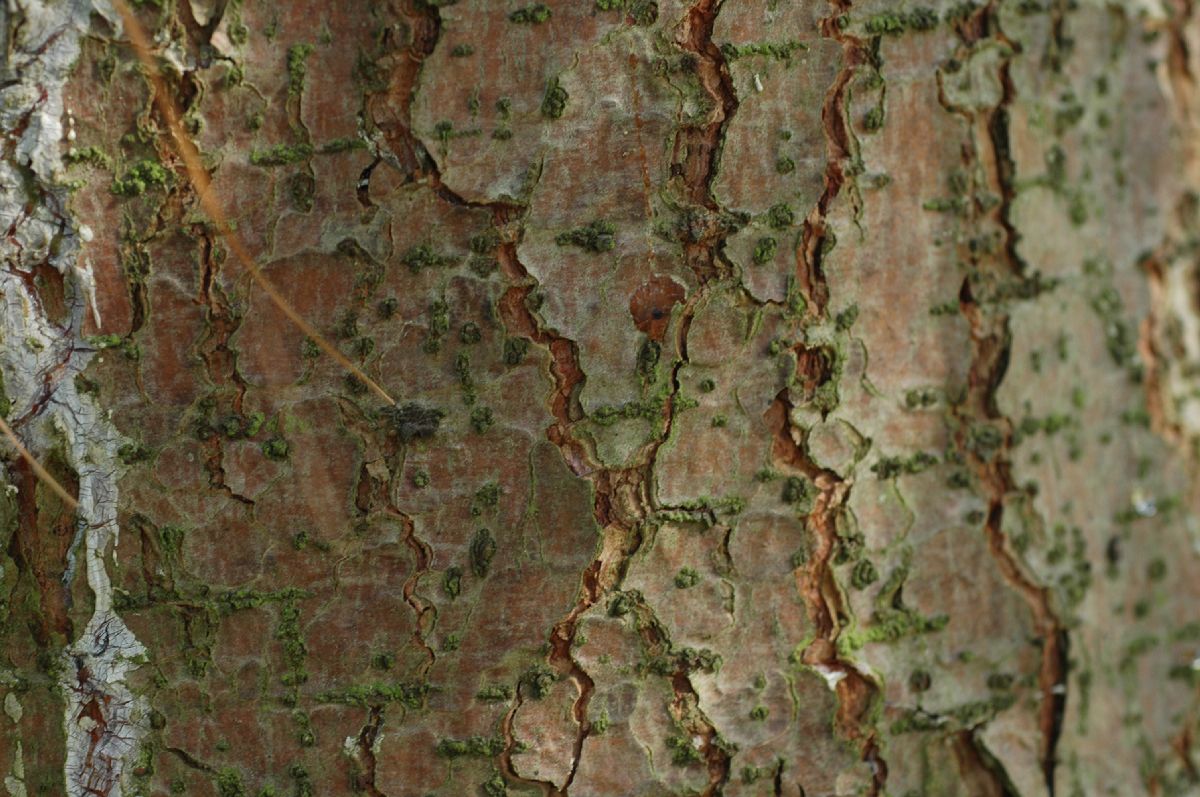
(991,339)
(816,581)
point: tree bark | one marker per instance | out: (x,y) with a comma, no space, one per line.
(790,398)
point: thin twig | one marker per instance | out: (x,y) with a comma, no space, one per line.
(203,185)
(38,470)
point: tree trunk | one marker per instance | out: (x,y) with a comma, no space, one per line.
(776,398)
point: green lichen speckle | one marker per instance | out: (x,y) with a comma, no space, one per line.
(554,102)
(281,154)
(297,67)
(534,14)
(597,236)
(687,578)
(483,549)
(140,178)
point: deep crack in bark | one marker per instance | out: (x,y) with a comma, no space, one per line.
(991,342)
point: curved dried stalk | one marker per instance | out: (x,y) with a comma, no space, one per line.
(38,470)
(202,185)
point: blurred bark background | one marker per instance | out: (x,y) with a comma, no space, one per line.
(793,398)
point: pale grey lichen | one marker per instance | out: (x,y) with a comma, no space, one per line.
(40,357)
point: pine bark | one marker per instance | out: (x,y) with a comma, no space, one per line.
(791,398)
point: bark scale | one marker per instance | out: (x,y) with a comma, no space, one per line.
(795,398)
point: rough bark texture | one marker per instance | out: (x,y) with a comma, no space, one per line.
(793,398)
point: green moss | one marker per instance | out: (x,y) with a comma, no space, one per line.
(423,256)
(780,216)
(976,712)
(6,403)
(554,102)
(420,478)
(642,12)
(445,132)
(474,746)
(887,23)
(497,693)
(141,177)
(759,713)
(699,508)
(686,578)
(647,410)
(999,681)
(764,251)
(462,51)
(893,23)
(482,266)
(922,19)
(953,205)
(229,783)
(486,498)
(482,419)
(1119,339)
(535,14)
(470,333)
(482,551)
(495,786)
(128,453)
(919,398)
(960,12)
(800,492)
(647,360)
(538,680)
(683,752)
(598,236)
(297,67)
(779,51)
(439,325)
(891,625)
(452,582)
(412,421)
(1156,570)
(254,423)
(302,187)
(387,307)
(785,165)
(873,120)
(304,785)
(281,154)
(599,725)
(515,350)
(275,449)
(462,367)
(891,467)
(864,574)
(348,144)
(93,156)
(231,427)
(984,439)
(408,694)
(625,602)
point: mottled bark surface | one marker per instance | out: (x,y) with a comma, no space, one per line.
(792,399)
